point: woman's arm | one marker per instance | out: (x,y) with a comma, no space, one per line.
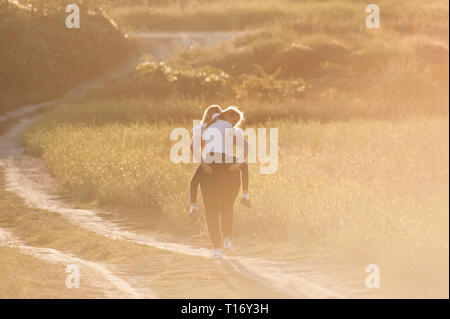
(196,141)
(245,149)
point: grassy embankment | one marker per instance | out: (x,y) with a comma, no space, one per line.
(172,276)
(40,58)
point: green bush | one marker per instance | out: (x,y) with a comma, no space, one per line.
(160,81)
(158,78)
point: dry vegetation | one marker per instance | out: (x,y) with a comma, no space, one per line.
(40,58)
(363,144)
(172,276)
(23,276)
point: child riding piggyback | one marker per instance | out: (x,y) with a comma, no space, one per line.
(215,115)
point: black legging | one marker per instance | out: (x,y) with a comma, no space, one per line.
(219,192)
(199,173)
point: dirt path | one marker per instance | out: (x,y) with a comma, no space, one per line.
(94,275)
(28,178)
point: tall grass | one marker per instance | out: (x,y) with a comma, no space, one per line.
(363,167)
(194,16)
(401,16)
(360,63)
(350,184)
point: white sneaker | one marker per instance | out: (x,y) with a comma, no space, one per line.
(193,211)
(228,248)
(218,253)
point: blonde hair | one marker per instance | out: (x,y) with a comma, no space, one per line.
(209,112)
(231,110)
(236,112)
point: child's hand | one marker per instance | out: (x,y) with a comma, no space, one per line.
(193,211)
(207,169)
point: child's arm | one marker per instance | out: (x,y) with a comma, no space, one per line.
(196,148)
(245,201)
(195,181)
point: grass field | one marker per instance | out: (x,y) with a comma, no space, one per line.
(318,53)
(363,131)
(40,58)
(24,276)
(358,190)
(242,14)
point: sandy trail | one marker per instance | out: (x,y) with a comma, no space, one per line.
(94,275)
(29,178)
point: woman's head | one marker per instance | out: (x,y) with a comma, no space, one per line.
(209,112)
(233,115)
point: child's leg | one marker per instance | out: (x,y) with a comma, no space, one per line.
(244,177)
(195,181)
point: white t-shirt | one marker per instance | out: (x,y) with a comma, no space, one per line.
(197,130)
(219,137)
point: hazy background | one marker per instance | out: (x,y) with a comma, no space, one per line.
(362,117)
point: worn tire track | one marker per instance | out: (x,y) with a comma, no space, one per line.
(93,273)
(25,176)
